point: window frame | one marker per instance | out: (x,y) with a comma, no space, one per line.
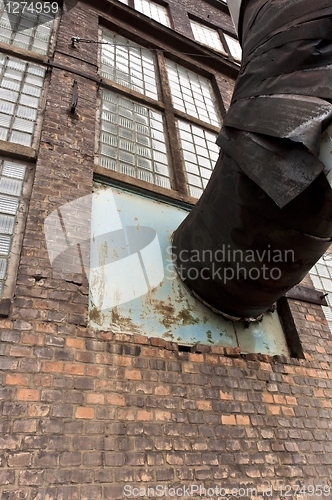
(221,33)
(168,47)
(27,155)
(18,233)
(131,3)
(236,61)
(179,184)
(51,43)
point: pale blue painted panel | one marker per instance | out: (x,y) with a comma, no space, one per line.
(134,287)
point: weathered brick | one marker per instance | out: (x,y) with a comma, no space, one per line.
(95,345)
(85,412)
(133,374)
(115,459)
(7,477)
(27,395)
(157,364)
(17,379)
(75,343)
(70,459)
(9,336)
(93,459)
(17,494)
(163,474)
(25,425)
(8,364)
(20,459)
(31,478)
(131,350)
(52,396)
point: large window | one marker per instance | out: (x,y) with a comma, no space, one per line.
(12,177)
(200,154)
(26,28)
(234,47)
(20,90)
(207,36)
(152,9)
(192,93)
(159,120)
(133,140)
(216,39)
(321,275)
(136,117)
(128,64)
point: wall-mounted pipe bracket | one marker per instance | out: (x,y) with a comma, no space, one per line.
(74,99)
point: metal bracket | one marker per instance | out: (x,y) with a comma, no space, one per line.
(74,98)
(307,294)
(74,41)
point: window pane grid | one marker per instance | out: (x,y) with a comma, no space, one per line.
(321,275)
(27,30)
(234,47)
(128,64)
(153,10)
(132,140)
(192,93)
(200,153)
(11,185)
(20,90)
(207,36)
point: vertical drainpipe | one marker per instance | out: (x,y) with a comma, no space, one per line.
(265,217)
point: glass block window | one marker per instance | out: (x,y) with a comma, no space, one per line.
(27,30)
(200,153)
(20,90)
(132,140)
(11,185)
(192,93)
(234,47)
(321,275)
(128,64)
(153,10)
(207,36)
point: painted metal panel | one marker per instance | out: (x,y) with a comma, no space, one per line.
(134,287)
(266,337)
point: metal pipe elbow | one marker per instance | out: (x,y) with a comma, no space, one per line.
(265,217)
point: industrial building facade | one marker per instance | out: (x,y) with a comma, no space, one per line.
(117,105)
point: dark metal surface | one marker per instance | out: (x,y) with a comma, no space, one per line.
(74,99)
(268,191)
(75,71)
(307,294)
(266,160)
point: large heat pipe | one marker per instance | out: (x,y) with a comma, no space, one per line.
(265,217)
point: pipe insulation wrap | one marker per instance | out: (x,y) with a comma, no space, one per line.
(265,216)
(234,7)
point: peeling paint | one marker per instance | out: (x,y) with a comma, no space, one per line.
(169,310)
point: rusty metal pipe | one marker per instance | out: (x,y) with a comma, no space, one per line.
(265,217)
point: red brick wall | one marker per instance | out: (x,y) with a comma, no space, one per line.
(83,413)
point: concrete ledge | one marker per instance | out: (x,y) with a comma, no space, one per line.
(17,151)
